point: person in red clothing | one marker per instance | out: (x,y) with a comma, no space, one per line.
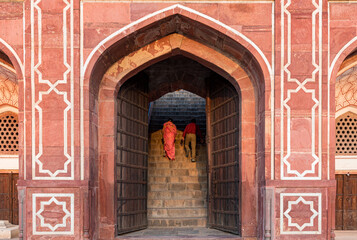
(189,136)
(169,132)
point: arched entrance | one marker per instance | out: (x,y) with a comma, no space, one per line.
(223,143)
(346,144)
(9,141)
(248,106)
(127,57)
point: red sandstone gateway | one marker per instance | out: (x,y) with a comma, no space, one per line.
(85,87)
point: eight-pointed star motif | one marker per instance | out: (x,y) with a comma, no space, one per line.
(308,224)
(42,219)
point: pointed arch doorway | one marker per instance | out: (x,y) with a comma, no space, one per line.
(10,166)
(240,81)
(223,145)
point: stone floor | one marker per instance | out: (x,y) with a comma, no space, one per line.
(179,233)
(346,235)
(201,233)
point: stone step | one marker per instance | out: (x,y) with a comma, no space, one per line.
(192,172)
(192,179)
(182,222)
(177,165)
(177,195)
(177,212)
(159,158)
(172,203)
(157,150)
(178,158)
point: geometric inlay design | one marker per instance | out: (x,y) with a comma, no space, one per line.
(346,134)
(52,92)
(53,213)
(301,91)
(9,133)
(300,213)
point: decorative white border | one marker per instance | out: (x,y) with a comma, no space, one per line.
(53,198)
(52,87)
(300,199)
(301,86)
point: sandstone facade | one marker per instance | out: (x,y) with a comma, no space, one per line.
(67,61)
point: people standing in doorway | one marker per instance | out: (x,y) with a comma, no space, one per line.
(169,132)
(189,137)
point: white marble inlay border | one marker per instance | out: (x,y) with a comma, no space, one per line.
(52,88)
(301,86)
(316,213)
(53,199)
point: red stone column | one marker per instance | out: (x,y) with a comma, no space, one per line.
(53,186)
(302,181)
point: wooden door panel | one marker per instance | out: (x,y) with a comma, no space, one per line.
(9,206)
(132,155)
(350,207)
(5,196)
(224,175)
(346,202)
(14,199)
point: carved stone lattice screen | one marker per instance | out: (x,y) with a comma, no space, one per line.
(346,134)
(9,134)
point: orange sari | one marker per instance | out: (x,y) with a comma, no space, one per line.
(169,133)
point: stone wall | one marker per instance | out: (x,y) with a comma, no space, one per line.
(61,50)
(181,106)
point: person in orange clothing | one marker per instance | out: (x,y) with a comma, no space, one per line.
(189,137)
(169,132)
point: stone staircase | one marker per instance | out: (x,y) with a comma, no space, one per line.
(177,190)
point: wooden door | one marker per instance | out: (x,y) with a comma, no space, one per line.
(14,199)
(346,202)
(8,197)
(132,156)
(224,171)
